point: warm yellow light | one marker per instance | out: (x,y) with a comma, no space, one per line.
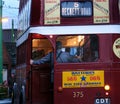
(80,38)
(4,19)
(107,87)
(74,42)
(35,42)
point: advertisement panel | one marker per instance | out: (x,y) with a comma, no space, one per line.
(52,12)
(77,79)
(101,11)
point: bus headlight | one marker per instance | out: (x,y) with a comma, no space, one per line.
(107,87)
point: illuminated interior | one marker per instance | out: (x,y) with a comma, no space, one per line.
(84,47)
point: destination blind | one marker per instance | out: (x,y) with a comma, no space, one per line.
(76,9)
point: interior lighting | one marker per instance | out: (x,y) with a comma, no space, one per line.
(74,42)
(51,36)
(80,38)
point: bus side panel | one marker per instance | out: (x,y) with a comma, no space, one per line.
(35,16)
(114,14)
(115,86)
(41,86)
(115,71)
(35,86)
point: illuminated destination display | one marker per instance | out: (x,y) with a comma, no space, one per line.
(76,9)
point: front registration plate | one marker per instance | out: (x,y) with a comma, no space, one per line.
(102,101)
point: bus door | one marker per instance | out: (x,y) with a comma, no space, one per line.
(41,85)
(78,77)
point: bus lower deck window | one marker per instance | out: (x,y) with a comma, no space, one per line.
(77,48)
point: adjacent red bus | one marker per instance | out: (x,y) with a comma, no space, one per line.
(91,31)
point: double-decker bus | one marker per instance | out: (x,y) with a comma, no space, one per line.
(89,32)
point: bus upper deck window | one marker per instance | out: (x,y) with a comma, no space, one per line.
(79,48)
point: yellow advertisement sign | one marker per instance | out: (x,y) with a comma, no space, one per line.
(101,11)
(52,12)
(77,79)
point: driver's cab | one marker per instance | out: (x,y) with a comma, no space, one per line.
(82,47)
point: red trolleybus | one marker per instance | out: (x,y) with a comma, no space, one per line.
(89,30)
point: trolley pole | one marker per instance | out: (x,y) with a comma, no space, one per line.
(1,51)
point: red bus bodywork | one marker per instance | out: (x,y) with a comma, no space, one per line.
(33,84)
